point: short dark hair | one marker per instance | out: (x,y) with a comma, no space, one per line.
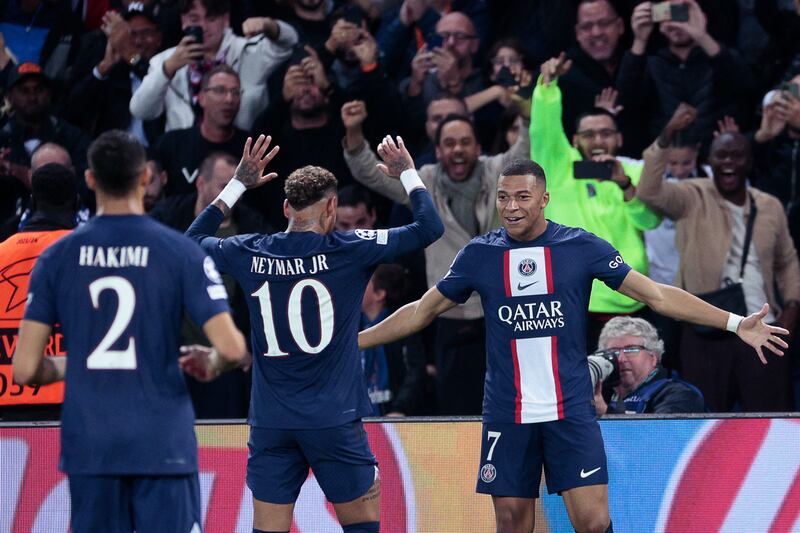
(453,117)
(597,111)
(393,279)
(525,167)
(54,185)
(219,69)
(308,185)
(214,8)
(116,159)
(207,166)
(354,194)
(447,96)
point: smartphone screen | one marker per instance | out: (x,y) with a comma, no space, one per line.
(592,170)
(196,32)
(679,12)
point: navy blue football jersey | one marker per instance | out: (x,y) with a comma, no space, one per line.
(119,286)
(304,295)
(535,297)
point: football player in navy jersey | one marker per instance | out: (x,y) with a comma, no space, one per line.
(306,286)
(119,286)
(534,278)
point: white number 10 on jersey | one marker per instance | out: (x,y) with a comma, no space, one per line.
(295,316)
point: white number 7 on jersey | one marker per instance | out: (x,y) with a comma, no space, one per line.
(489,436)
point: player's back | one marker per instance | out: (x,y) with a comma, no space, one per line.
(305,291)
(119,287)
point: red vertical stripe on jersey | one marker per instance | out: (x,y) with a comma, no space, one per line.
(518,400)
(704,469)
(549,272)
(506,273)
(554,357)
(789,512)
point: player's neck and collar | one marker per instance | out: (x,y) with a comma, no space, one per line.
(107,205)
(537,231)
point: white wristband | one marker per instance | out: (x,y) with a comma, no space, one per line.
(231,193)
(410,180)
(733,322)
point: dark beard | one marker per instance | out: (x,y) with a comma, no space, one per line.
(313,112)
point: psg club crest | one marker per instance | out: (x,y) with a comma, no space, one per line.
(527,267)
(488,473)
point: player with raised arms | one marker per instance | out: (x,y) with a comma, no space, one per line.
(119,287)
(534,278)
(306,285)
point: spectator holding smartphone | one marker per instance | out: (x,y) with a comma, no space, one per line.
(606,207)
(173,82)
(777,143)
(693,68)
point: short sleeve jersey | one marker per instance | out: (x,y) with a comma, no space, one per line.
(119,287)
(304,294)
(535,297)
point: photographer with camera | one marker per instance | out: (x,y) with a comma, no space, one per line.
(591,187)
(692,68)
(172,84)
(643,386)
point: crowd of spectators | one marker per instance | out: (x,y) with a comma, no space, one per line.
(693,125)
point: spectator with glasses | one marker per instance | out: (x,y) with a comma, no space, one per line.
(509,80)
(172,85)
(110,66)
(405,28)
(595,59)
(606,207)
(447,68)
(180,152)
(644,385)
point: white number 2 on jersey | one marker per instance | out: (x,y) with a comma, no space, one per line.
(103,358)
(296,328)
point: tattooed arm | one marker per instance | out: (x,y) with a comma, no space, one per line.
(249,175)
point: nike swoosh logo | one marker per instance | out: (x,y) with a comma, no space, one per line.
(589,473)
(521,287)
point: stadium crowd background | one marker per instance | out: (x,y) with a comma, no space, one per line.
(328,79)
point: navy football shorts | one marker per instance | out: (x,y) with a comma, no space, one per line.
(512,455)
(339,457)
(123,504)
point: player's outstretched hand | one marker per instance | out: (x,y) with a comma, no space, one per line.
(200,362)
(254,159)
(759,335)
(395,157)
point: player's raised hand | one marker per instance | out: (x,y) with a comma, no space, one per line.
(254,159)
(759,335)
(200,362)
(395,157)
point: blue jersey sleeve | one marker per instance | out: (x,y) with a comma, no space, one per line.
(606,263)
(41,305)
(203,231)
(383,246)
(457,284)
(204,295)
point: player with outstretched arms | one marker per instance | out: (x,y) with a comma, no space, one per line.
(119,286)
(305,287)
(534,278)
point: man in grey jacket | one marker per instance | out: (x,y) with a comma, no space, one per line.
(172,83)
(462,183)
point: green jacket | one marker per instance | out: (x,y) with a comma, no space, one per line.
(596,206)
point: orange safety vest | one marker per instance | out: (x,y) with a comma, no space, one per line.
(18,254)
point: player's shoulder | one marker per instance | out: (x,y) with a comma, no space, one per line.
(495,237)
(571,235)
